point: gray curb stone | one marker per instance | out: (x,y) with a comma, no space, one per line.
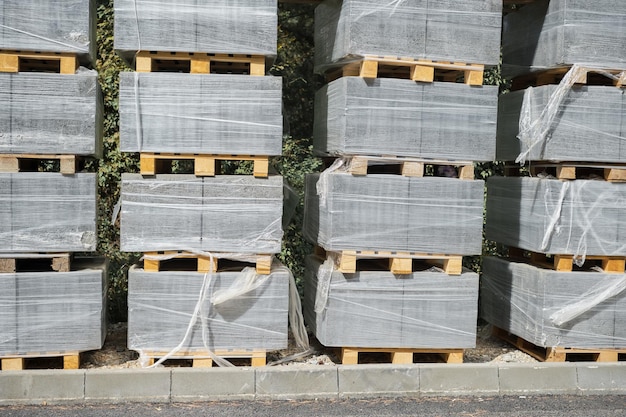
(128,385)
(287,383)
(544,378)
(190,384)
(459,379)
(41,386)
(359,381)
(601,378)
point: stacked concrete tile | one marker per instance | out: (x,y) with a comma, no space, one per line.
(231,217)
(385,215)
(578,218)
(49,215)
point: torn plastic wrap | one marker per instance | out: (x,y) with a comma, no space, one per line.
(552,33)
(582,217)
(537,305)
(49,26)
(49,312)
(161,305)
(355,116)
(47,212)
(225,213)
(200,113)
(51,113)
(426,309)
(394,213)
(453,31)
(220,26)
(563,122)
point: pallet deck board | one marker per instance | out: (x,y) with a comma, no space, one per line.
(557,354)
(199,63)
(205,165)
(19,61)
(421,70)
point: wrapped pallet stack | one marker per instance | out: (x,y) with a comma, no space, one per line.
(52,303)
(560,292)
(199,92)
(378,215)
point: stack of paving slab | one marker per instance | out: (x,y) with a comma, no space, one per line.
(51,303)
(395,120)
(234,217)
(574,218)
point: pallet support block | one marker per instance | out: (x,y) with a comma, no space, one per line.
(423,73)
(369,69)
(413,169)
(401,266)
(12,364)
(204,166)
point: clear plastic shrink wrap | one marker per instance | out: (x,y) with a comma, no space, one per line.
(225,213)
(427,309)
(200,113)
(47,212)
(355,116)
(582,217)
(161,305)
(51,113)
(215,26)
(49,26)
(552,33)
(589,124)
(449,30)
(549,308)
(394,213)
(51,312)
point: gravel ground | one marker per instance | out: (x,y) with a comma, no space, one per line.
(115,353)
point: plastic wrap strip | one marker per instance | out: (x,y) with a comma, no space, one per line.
(434,215)
(50,312)
(377,309)
(582,217)
(444,30)
(47,212)
(223,26)
(534,130)
(385,116)
(51,113)
(206,113)
(184,212)
(526,301)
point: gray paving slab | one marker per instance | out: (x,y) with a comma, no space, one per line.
(461,379)
(545,379)
(288,383)
(41,386)
(128,385)
(190,384)
(357,381)
(601,378)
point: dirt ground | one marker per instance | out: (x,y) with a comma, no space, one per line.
(115,353)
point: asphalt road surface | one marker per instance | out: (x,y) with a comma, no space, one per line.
(519,406)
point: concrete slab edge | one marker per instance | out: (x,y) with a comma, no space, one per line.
(309,382)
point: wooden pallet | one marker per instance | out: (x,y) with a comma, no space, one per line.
(199,63)
(555,75)
(22,162)
(178,260)
(362,165)
(254,358)
(28,61)
(565,263)
(560,354)
(35,262)
(152,163)
(422,70)
(71,360)
(401,263)
(570,170)
(350,355)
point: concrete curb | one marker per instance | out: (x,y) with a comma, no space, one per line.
(309,382)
